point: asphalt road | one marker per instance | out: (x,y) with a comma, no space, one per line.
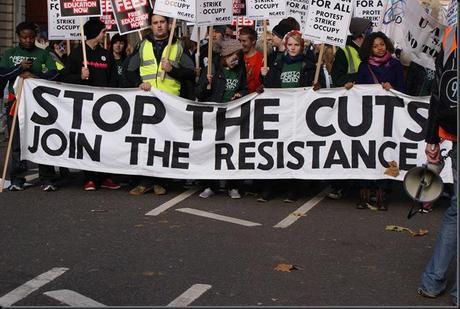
(72,247)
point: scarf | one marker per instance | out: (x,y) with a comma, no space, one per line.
(378,61)
(289,60)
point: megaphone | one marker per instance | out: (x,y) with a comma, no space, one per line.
(423,184)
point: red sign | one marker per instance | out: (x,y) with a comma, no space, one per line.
(85,8)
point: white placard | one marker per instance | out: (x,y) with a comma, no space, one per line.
(214,12)
(265,9)
(370,9)
(62,28)
(299,10)
(179,9)
(328,21)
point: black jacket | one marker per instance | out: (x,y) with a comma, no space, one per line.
(219,83)
(101,65)
(443,112)
(273,78)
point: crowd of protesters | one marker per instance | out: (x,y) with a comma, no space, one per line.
(237,69)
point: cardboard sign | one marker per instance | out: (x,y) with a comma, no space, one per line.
(180,9)
(214,12)
(299,10)
(370,9)
(60,28)
(87,8)
(131,15)
(108,17)
(265,9)
(328,21)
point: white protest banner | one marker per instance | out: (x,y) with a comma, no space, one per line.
(370,9)
(265,9)
(328,21)
(131,15)
(299,10)
(281,133)
(108,17)
(82,8)
(214,12)
(61,28)
(180,9)
(413,30)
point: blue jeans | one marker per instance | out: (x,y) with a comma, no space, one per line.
(434,280)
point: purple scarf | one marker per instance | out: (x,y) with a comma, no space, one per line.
(378,61)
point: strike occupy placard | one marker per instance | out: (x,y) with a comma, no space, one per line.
(370,9)
(214,12)
(108,17)
(61,28)
(278,134)
(180,9)
(87,8)
(131,15)
(328,21)
(265,9)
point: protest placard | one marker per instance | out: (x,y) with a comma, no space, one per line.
(265,9)
(414,31)
(108,17)
(451,14)
(297,9)
(61,28)
(294,133)
(214,12)
(239,7)
(328,21)
(370,9)
(131,15)
(180,9)
(86,8)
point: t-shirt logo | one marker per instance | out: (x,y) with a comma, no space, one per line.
(449,88)
(290,77)
(231,84)
(18,59)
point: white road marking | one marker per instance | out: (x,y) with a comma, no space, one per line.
(73,298)
(172,202)
(30,286)
(302,210)
(190,295)
(211,215)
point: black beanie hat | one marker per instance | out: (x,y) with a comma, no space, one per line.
(93,27)
(281,29)
(220,29)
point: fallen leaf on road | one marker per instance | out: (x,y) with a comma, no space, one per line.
(148,273)
(396,228)
(139,225)
(287,267)
(298,214)
(393,169)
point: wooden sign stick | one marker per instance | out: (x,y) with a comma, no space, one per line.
(168,47)
(318,64)
(83,45)
(210,41)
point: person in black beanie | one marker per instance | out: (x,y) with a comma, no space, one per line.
(101,72)
(279,31)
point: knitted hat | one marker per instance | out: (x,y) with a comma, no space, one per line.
(220,29)
(230,46)
(359,25)
(281,29)
(294,33)
(93,27)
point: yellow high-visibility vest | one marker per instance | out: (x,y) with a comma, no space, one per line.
(352,58)
(150,69)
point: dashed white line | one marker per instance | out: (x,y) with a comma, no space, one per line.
(172,202)
(211,215)
(30,286)
(302,210)
(73,298)
(190,295)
